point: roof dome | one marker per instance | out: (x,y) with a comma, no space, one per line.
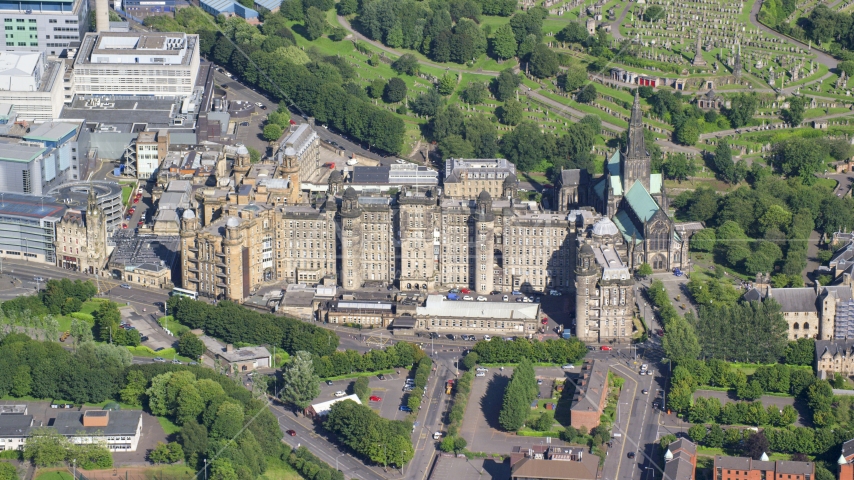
(605,227)
(586,249)
(510,180)
(242,150)
(484,196)
(188,214)
(350,194)
(289,151)
(232,222)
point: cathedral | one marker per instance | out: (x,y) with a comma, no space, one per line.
(633,198)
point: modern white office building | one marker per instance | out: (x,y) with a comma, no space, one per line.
(31,85)
(136,64)
(50,26)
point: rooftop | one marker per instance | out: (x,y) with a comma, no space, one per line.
(15,425)
(591,386)
(18,205)
(18,153)
(437,306)
(132,250)
(121,422)
(235,355)
(323,407)
(20,71)
(51,131)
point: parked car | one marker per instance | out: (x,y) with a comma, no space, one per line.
(176,362)
(381,376)
(125,286)
(481,299)
(340,393)
(481,369)
(292,433)
(487,337)
(468,297)
(405,408)
(159,360)
(677,272)
(375,398)
(143,338)
(568,366)
(605,348)
(505,298)
(480,374)
(329,382)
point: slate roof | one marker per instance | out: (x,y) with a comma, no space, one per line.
(678,469)
(832,348)
(121,422)
(795,299)
(570,177)
(683,444)
(15,425)
(641,202)
(848,448)
(557,469)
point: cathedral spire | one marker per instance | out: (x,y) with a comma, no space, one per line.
(637,114)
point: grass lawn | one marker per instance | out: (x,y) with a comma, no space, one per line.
(279,470)
(170,324)
(127,190)
(168,426)
(55,475)
(166,353)
(89,306)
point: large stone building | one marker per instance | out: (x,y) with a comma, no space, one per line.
(367,240)
(634,199)
(81,238)
(819,312)
(466,178)
(253,244)
(300,146)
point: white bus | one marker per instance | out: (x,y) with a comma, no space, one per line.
(184,293)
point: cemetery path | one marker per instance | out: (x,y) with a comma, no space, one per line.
(615,25)
(733,131)
(821,57)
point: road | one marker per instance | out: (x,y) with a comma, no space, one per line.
(821,57)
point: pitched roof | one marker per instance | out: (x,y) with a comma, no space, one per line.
(557,469)
(795,299)
(655,182)
(641,202)
(570,177)
(683,444)
(678,469)
(627,227)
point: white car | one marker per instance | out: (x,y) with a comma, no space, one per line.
(568,367)
(401,161)
(258,104)
(468,297)
(481,299)
(340,393)
(554,293)
(480,374)
(644,367)
(486,337)
(505,298)
(481,369)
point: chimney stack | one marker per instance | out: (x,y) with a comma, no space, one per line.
(102,16)
(229,348)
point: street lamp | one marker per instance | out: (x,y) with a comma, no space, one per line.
(336,460)
(206,469)
(74,463)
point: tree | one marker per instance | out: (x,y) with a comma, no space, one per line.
(518,395)
(653,13)
(679,167)
(301,384)
(703,240)
(755,445)
(315,23)
(680,341)
(407,64)
(254,155)
(794,115)
(524,146)
(800,352)
(447,84)
(644,270)
(544,422)
(511,113)
(45,447)
(687,132)
(191,346)
(505,84)
(587,94)
(544,62)
(470,360)
(572,79)
(159,454)
(697,433)
(8,471)
(503,42)
(846,66)
(427,103)
(81,331)
(272,132)
(376,87)
(222,469)
(474,93)
(573,32)
(395,90)
(194,440)
(743,107)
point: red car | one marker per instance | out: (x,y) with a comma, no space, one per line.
(140,223)
(545,321)
(136,200)
(465,290)
(375,398)
(605,348)
(131,210)
(291,433)
(124,225)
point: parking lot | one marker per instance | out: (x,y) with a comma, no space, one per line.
(480,425)
(390,390)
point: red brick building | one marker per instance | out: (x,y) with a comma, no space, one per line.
(743,468)
(591,393)
(846,468)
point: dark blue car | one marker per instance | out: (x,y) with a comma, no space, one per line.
(404,408)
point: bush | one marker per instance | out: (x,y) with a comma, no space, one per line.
(361,389)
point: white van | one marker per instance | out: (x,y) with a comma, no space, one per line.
(437,435)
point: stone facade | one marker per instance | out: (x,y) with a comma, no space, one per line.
(367,240)
(466,178)
(81,239)
(256,244)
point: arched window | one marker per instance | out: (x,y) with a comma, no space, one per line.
(796,326)
(806,326)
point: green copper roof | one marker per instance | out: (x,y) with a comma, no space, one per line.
(655,183)
(641,202)
(616,185)
(626,227)
(614,164)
